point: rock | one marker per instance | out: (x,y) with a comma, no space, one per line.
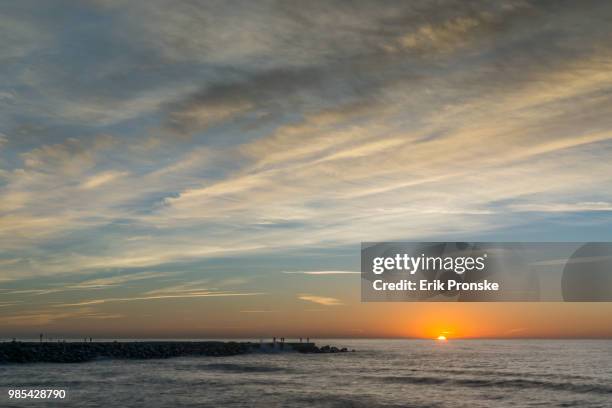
(26,352)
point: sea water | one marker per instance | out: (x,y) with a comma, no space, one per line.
(381,373)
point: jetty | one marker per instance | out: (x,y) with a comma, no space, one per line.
(75,352)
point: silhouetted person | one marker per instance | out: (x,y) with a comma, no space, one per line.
(300,339)
(41,337)
(274,340)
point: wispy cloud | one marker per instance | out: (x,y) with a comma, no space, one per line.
(211,132)
(568,261)
(198,285)
(115,280)
(259,311)
(100,283)
(322,272)
(158,297)
(321,300)
(102,178)
(516,330)
(45,316)
(6,304)
(33,291)
(563,207)
(342,166)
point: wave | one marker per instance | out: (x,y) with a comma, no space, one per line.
(518,383)
(345,401)
(506,374)
(244,368)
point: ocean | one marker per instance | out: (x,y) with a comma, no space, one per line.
(381,373)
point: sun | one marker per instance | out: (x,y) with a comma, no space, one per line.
(441,338)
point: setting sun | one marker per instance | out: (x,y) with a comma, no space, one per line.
(441,338)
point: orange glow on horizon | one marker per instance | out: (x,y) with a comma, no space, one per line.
(441,338)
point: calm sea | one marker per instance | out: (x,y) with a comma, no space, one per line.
(381,373)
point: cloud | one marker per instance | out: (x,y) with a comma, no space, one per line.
(45,317)
(307,127)
(100,179)
(23,36)
(568,261)
(161,141)
(563,207)
(115,280)
(516,330)
(7,304)
(91,284)
(323,272)
(259,92)
(159,297)
(320,300)
(199,285)
(32,291)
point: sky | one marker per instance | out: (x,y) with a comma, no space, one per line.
(210,168)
